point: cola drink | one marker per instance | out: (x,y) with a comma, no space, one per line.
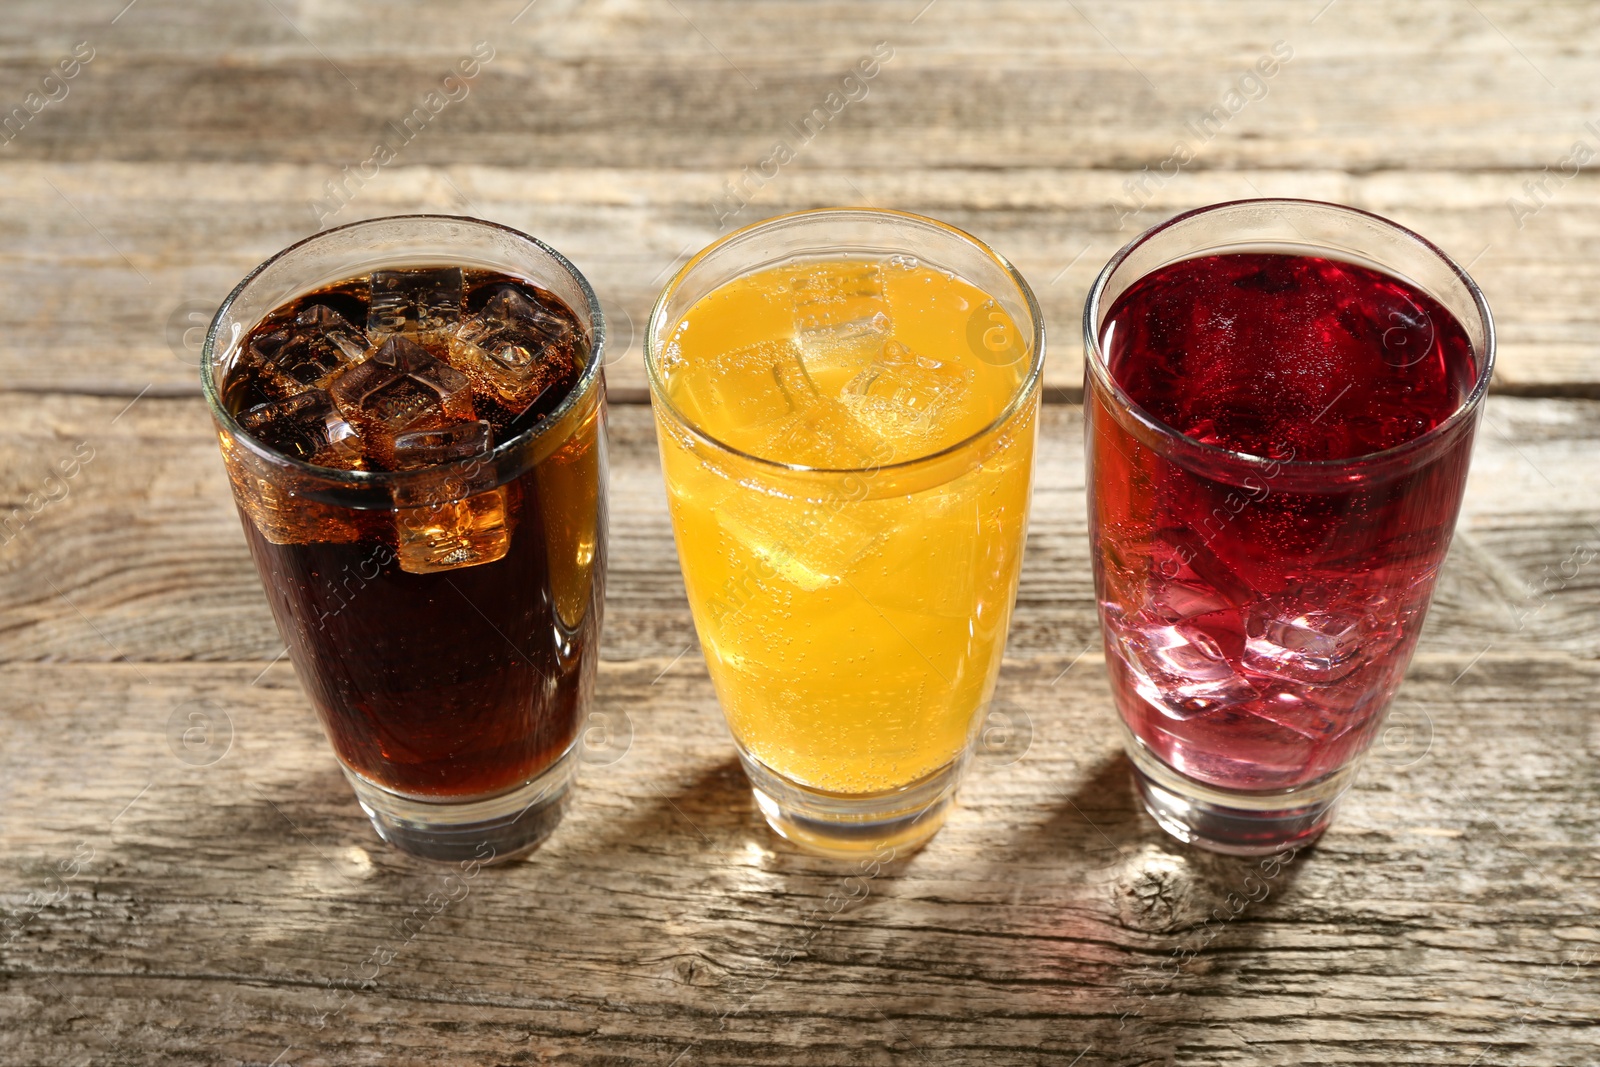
(418,457)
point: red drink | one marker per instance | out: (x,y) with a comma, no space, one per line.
(1287,356)
(1256,630)
(1280,402)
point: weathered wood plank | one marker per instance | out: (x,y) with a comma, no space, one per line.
(146,543)
(221,902)
(128,260)
(1427,85)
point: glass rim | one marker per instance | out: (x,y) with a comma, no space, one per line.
(1024,389)
(1095,365)
(580,389)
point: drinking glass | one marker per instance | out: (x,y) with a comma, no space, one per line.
(853,615)
(1259,611)
(445,620)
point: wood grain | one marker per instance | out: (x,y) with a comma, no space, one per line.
(218,901)
(197,141)
(147,545)
(153,248)
(218,909)
(1428,85)
(1458,880)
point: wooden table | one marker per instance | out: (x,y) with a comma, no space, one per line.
(218,901)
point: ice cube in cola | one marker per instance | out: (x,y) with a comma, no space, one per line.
(400,388)
(515,349)
(428,448)
(306,352)
(305,425)
(424,304)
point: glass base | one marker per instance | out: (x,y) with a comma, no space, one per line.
(491,830)
(1234,822)
(851,825)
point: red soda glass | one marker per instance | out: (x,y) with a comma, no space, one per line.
(1280,398)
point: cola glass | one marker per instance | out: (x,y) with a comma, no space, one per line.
(411,414)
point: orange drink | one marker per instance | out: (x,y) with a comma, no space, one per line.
(847,436)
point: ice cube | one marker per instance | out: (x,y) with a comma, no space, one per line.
(424,304)
(1289,641)
(1174,601)
(808,547)
(1410,336)
(1178,553)
(400,388)
(427,448)
(302,426)
(1316,713)
(1180,668)
(841,316)
(344,451)
(749,388)
(517,348)
(1323,631)
(906,395)
(823,434)
(838,300)
(447,534)
(318,344)
(948,541)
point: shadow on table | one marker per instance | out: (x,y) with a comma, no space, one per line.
(1177,927)
(711,818)
(1083,934)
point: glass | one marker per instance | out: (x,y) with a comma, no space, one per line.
(444,620)
(1259,610)
(846,403)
